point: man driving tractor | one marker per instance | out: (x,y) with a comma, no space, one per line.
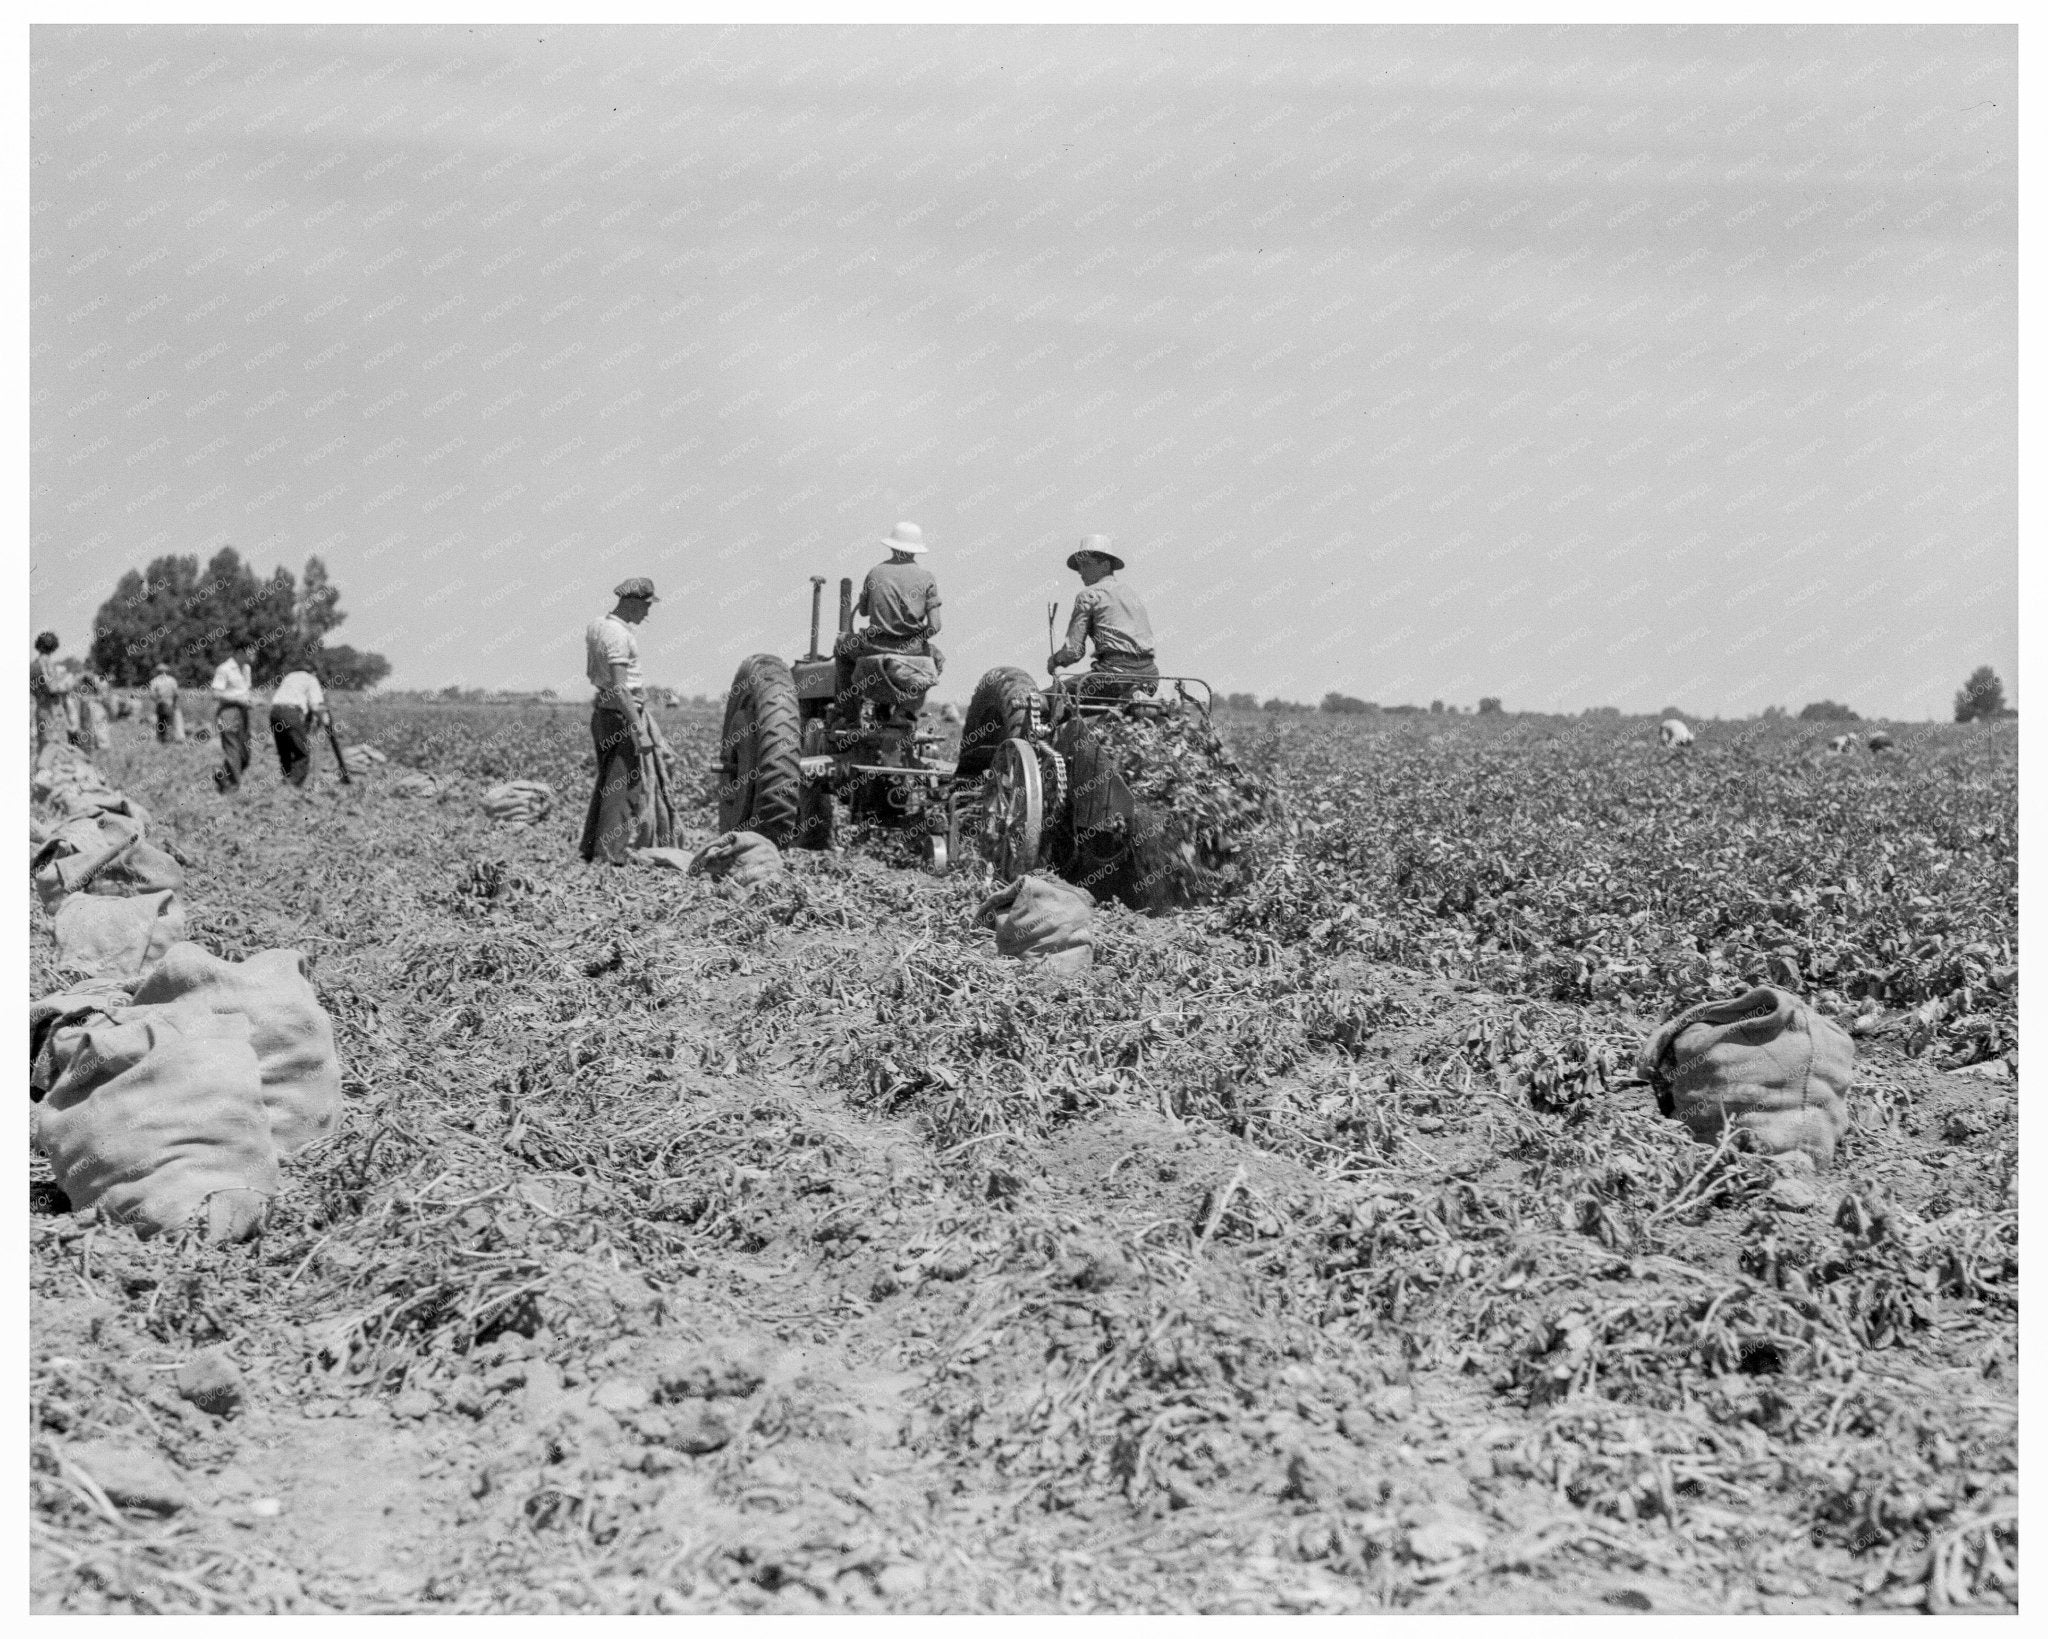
(1111,615)
(901,600)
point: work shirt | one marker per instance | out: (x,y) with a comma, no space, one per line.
(1110,613)
(301,689)
(163,687)
(231,682)
(46,679)
(609,641)
(898,599)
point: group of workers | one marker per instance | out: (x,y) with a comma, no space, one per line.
(900,599)
(298,705)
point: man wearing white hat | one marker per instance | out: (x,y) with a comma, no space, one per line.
(901,600)
(1110,615)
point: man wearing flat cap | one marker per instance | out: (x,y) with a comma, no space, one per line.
(624,733)
(1111,617)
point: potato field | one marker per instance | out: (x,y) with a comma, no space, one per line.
(692,1248)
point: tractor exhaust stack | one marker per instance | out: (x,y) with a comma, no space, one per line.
(817,603)
(845,604)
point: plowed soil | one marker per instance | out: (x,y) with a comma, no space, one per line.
(686,1248)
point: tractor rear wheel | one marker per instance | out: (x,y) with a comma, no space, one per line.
(759,782)
(999,710)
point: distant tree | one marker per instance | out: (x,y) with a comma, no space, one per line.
(179,615)
(1827,711)
(1771,714)
(1277,704)
(342,667)
(1347,705)
(1489,705)
(1242,702)
(1437,707)
(319,605)
(1405,711)
(1603,711)
(1981,696)
(1671,711)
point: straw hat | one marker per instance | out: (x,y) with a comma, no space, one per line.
(905,538)
(1095,546)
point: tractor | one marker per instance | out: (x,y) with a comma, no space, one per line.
(1039,780)
(827,725)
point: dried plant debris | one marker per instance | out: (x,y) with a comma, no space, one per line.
(683,1250)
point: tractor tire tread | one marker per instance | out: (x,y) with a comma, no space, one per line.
(999,710)
(764,693)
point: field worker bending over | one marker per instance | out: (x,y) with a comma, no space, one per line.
(900,599)
(231,717)
(48,684)
(297,705)
(163,693)
(1112,617)
(619,725)
(1673,732)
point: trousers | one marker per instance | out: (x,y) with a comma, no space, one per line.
(616,819)
(294,745)
(232,722)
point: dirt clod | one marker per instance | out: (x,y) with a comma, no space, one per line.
(132,1477)
(213,1383)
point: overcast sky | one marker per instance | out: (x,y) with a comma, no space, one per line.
(1576,366)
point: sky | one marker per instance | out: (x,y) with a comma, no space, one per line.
(1573,366)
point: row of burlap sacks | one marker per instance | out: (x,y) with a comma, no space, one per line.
(1763,1069)
(167,1082)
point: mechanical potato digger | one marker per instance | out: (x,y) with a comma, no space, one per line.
(1040,780)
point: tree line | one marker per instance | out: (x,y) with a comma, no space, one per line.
(176,614)
(1982,696)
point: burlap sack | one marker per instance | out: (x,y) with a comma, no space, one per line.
(290,1031)
(415,785)
(153,1112)
(1042,919)
(361,759)
(1763,1063)
(61,768)
(76,804)
(895,679)
(519,802)
(741,857)
(101,936)
(121,865)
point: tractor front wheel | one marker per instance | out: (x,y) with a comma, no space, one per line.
(759,782)
(1013,811)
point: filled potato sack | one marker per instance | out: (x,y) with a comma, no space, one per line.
(740,857)
(101,936)
(519,802)
(76,804)
(415,785)
(155,1116)
(1763,1063)
(83,857)
(1042,919)
(290,1031)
